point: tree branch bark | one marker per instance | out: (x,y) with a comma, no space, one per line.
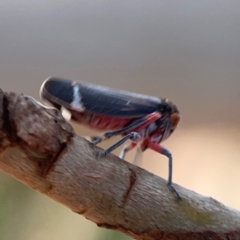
(39,148)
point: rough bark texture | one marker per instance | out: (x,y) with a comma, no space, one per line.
(39,148)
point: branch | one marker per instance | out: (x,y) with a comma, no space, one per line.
(39,148)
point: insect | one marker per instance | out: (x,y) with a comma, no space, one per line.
(145,120)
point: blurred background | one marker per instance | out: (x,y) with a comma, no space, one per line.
(188,51)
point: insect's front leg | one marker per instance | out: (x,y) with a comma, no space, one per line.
(158,148)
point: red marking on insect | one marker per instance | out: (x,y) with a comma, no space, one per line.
(99,122)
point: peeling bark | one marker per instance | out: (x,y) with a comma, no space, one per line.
(39,148)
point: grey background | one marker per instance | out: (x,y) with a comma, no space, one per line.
(185,50)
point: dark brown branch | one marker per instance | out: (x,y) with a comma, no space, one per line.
(39,148)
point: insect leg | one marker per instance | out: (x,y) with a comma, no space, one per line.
(127,148)
(139,123)
(134,136)
(156,147)
(94,138)
(137,160)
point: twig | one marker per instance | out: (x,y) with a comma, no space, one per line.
(39,148)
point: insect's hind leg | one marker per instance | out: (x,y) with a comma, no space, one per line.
(134,126)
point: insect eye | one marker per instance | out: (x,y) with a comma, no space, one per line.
(175,117)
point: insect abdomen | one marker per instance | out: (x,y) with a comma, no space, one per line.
(101,123)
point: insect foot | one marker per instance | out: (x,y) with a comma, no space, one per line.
(170,186)
(100,153)
(96,141)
